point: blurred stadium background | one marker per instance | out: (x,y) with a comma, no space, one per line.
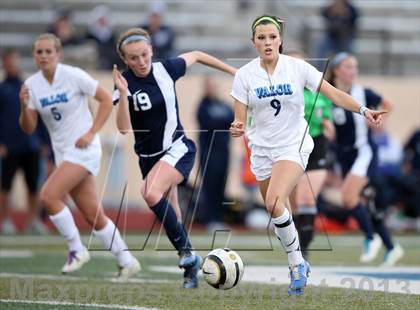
(387,46)
(388,49)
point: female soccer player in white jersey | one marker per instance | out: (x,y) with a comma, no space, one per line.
(270,88)
(148,106)
(358,158)
(59,94)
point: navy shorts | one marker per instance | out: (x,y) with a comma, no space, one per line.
(361,162)
(181,156)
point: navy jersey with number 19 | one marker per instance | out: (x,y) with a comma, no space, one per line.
(153,106)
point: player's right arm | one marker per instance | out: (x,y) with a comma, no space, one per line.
(28,118)
(123,114)
(237,128)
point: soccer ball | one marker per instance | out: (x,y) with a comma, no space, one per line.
(223,268)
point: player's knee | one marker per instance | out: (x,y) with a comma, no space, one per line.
(274,205)
(150,195)
(350,200)
(47,197)
(90,218)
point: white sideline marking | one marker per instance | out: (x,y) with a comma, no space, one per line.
(376,279)
(16,254)
(73,278)
(64,303)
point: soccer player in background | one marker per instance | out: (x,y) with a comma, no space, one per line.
(59,94)
(358,158)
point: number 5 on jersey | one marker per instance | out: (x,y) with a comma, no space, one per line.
(141,101)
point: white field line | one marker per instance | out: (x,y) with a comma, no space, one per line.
(63,303)
(72,278)
(386,280)
(16,254)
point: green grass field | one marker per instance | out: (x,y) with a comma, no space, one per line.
(30,271)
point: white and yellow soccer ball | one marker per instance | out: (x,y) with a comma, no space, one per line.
(223,268)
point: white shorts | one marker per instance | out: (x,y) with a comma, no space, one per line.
(89,158)
(263,158)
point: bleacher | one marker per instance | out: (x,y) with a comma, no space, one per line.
(388,39)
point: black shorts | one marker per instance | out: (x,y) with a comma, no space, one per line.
(28,161)
(181,156)
(318,158)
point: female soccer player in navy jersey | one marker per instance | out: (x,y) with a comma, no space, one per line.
(148,106)
(357,156)
(59,94)
(270,88)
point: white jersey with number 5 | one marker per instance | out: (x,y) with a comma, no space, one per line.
(275,103)
(63,105)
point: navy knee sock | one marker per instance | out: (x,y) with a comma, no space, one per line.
(383,232)
(363,219)
(174,229)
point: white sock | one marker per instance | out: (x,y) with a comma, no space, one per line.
(286,232)
(117,245)
(64,223)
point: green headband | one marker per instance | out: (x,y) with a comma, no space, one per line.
(266,18)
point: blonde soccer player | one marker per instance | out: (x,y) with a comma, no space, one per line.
(59,94)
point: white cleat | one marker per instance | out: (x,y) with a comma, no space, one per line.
(127,272)
(75,261)
(393,256)
(371,249)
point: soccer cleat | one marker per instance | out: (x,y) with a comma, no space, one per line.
(75,261)
(298,278)
(191,263)
(393,256)
(125,273)
(371,249)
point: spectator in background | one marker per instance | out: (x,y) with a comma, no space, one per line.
(17,150)
(389,161)
(397,184)
(162,35)
(101,31)
(340,18)
(409,183)
(412,153)
(64,29)
(390,152)
(214,117)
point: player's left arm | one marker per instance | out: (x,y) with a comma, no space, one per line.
(345,101)
(104,110)
(208,60)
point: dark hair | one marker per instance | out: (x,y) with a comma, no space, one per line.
(8,52)
(269,19)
